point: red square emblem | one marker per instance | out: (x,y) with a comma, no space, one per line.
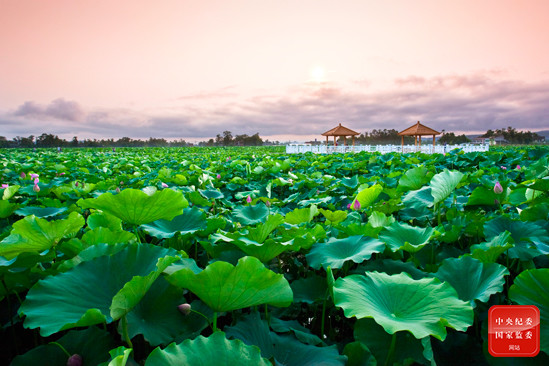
(513,330)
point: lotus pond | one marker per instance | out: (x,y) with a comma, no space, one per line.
(249,256)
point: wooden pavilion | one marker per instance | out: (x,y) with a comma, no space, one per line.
(339,131)
(417,131)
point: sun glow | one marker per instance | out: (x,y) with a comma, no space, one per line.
(318,74)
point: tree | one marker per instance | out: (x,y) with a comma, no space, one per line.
(227,138)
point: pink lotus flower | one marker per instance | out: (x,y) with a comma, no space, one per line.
(498,189)
(249,199)
(518,167)
(164,185)
(356,205)
(36,180)
(218,176)
(62,173)
(34,176)
(36,188)
(4,186)
(349,206)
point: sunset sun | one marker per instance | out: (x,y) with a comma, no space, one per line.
(318,74)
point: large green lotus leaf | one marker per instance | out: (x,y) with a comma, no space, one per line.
(531,287)
(419,198)
(378,219)
(378,341)
(106,235)
(367,196)
(90,253)
(103,219)
(530,238)
(9,192)
(414,179)
(211,194)
(472,279)
(192,220)
(350,182)
(224,287)
(443,184)
(84,295)
(540,184)
(120,356)
(158,319)
(488,252)
(214,350)
(6,208)
(262,231)
(293,326)
(40,211)
(539,211)
(137,207)
(484,196)
(33,234)
(301,215)
(423,307)
(264,251)
(358,355)
(406,237)
(335,252)
(92,344)
(286,350)
(390,266)
(251,215)
(333,217)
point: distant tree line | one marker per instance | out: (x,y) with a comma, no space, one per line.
(46,140)
(384,136)
(512,136)
(451,138)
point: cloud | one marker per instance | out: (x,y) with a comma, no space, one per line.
(458,103)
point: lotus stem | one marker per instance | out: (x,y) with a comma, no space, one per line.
(136,231)
(267,315)
(389,359)
(215,321)
(125,334)
(323,316)
(62,348)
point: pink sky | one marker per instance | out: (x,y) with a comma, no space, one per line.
(192,69)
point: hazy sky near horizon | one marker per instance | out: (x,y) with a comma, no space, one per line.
(285,69)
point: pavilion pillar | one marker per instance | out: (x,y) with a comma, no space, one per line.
(344,140)
(326,140)
(353,140)
(335,142)
(402,142)
(433,142)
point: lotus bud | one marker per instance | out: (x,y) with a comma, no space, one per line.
(36,188)
(496,202)
(518,167)
(218,176)
(356,205)
(36,180)
(23,175)
(62,173)
(76,184)
(4,186)
(164,185)
(349,206)
(75,360)
(268,203)
(185,309)
(498,189)
(117,190)
(503,168)
(249,199)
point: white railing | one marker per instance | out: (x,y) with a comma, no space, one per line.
(426,149)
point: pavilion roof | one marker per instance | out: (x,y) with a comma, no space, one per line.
(417,130)
(340,131)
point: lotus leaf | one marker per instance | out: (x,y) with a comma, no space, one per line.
(335,252)
(443,184)
(202,351)
(367,196)
(191,221)
(423,307)
(406,237)
(224,287)
(531,287)
(96,291)
(251,215)
(301,215)
(137,207)
(40,211)
(472,279)
(33,234)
